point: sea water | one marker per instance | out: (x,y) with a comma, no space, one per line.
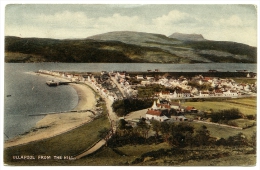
(27,94)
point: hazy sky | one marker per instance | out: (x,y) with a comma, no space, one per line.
(215,22)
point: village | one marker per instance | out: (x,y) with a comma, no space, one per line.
(118,85)
(166,105)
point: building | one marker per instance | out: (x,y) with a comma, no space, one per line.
(191,109)
(156,111)
(139,77)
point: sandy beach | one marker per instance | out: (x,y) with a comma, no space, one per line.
(55,124)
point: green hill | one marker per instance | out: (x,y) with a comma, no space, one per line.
(123,47)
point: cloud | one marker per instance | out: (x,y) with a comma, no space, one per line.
(174,17)
(80,24)
(68,24)
(233,20)
(64,19)
(117,22)
(236,34)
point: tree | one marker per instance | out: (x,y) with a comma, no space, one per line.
(181,134)
(202,136)
(156,127)
(121,126)
(165,130)
(222,142)
(226,115)
(143,127)
(238,140)
(253,139)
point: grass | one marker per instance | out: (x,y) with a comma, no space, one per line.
(67,144)
(224,132)
(244,80)
(137,150)
(241,104)
(244,122)
(245,101)
(107,156)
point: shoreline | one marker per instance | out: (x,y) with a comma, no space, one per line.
(54,124)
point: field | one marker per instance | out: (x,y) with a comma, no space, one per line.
(244,80)
(246,105)
(225,132)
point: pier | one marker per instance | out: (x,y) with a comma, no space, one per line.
(56,83)
(70,111)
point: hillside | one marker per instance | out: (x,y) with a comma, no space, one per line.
(125,46)
(137,38)
(187,37)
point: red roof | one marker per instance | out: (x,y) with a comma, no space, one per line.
(165,92)
(204,92)
(154,112)
(218,91)
(189,108)
(185,91)
(164,105)
(175,104)
(207,78)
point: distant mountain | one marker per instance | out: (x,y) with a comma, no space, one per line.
(126,46)
(187,37)
(137,38)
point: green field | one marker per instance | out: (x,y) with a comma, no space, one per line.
(246,105)
(225,132)
(244,80)
(245,101)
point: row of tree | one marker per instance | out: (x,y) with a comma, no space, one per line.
(181,134)
(227,114)
(123,107)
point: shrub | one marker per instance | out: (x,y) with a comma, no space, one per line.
(123,107)
(232,123)
(226,115)
(250,117)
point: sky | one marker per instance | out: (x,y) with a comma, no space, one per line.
(222,22)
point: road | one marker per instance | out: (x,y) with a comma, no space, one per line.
(113,119)
(118,86)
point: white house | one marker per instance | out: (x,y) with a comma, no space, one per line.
(139,77)
(155,115)
(204,94)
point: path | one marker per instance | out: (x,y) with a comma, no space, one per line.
(218,124)
(93,149)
